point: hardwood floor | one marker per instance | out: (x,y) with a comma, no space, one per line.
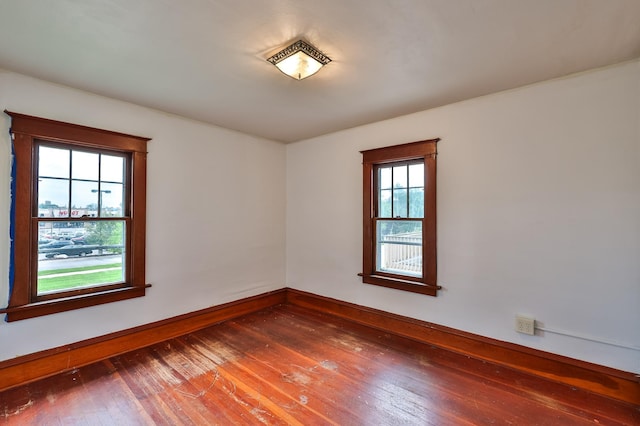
(286,365)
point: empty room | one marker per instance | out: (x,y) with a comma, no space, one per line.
(421,212)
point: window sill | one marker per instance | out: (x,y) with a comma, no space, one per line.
(400,284)
(37,309)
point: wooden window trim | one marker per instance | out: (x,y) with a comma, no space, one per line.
(25,130)
(426,150)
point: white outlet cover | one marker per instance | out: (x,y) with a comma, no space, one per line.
(525,325)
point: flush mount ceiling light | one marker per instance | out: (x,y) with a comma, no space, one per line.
(299,60)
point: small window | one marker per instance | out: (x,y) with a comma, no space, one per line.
(399,238)
(79,217)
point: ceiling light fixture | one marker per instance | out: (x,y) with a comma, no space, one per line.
(299,60)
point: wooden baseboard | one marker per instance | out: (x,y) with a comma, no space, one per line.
(29,368)
(598,379)
(594,378)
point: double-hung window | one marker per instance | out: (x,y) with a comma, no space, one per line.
(79,217)
(399,217)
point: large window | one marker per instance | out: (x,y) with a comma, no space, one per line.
(399,217)
(79,217)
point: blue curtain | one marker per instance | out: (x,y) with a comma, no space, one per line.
(12,215)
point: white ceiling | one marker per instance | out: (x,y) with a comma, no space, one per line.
(205,59)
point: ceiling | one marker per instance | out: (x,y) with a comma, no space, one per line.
(205,59)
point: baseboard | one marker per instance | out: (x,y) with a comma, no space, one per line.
(609,382)
(29,368)
(595,378)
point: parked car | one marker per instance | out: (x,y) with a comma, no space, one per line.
(78,240)
(55,244)
(70,250)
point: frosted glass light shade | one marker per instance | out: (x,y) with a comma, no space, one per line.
(299,66)
(299,60)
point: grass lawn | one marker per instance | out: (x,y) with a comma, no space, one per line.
(69,278)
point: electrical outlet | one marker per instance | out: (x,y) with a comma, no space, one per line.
(525,325)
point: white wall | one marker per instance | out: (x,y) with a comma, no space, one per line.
(216,209)
(538,213)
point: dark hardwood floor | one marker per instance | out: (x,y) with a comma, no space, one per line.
(285,365)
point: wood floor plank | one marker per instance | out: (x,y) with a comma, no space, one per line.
(286,365)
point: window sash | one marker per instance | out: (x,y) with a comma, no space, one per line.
(70,179)
(396,211)
(37,294)
(83,215)
(399,254)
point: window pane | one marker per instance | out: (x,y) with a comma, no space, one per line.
(112,199)
(399,202)
(53,197)
(384,177)
(399,247)
(384,203)
(400,177)
(84,165)
(88,254)
(112,168)
(416,175)
(53,162)
(84,198)
(416,202)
